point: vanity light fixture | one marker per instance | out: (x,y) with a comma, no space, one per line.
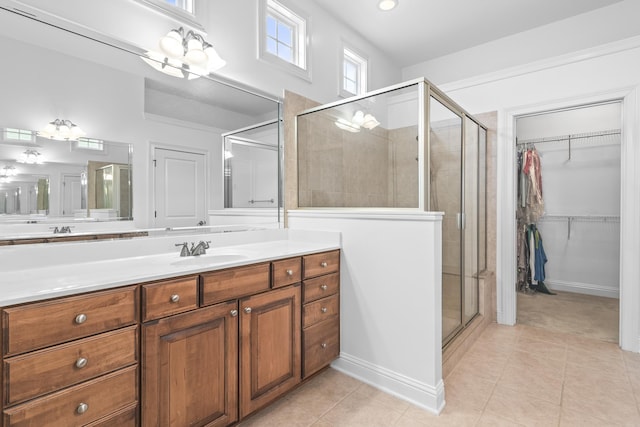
(62,130)
(6,173)
(30,157)
(182,53)
(387,5)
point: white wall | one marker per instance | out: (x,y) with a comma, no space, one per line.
(231,26)
(390,298)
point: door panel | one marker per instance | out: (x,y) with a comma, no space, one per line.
(180,188)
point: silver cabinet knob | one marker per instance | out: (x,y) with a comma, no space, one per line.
(175,298)
(323,345)
(234,313)
(289,272)
(82,408)
(323,309)
(323,287)
(323,264)
(81,362)
(247,310)
(80,319)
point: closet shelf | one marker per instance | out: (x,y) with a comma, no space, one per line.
(571,137)
(594,218)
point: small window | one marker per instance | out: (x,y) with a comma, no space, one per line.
(283,39)
(12,134)
(186,5)
(354,73)
(90,144)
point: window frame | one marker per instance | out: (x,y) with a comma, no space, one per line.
(178,13)
(300,24)
(354,56)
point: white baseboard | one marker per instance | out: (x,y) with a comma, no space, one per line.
(418,393)
(583,288)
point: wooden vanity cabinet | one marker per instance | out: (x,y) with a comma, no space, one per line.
(190,368)
(269,347)
(71,361)
(321,311)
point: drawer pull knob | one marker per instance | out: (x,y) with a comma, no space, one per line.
(323,264)
(289,272)
(323,287)
(82,408)
(81,362)
(81,318)
(323,345)
(247,310)
(234,313)
(323,309)
(175,298)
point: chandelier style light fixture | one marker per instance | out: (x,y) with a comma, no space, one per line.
(184,55)
(6,173)
(62,130)
(30,157)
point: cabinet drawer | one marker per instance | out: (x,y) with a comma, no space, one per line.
(320,310)
(169,297)
(78,405)
(321,344)
(127,417)
(286,272)
(34,374)
(320,287)
(322,263)
(33,326)
(232,283)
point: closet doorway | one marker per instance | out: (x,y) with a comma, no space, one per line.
(568,173)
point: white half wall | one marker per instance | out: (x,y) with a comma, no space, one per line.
(390,298)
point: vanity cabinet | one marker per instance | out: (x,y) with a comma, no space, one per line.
(204,349)
(190,368)
(269,346)
(73,360)
(321,311)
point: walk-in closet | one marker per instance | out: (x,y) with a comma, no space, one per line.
(568,219)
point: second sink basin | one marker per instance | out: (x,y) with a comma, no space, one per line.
(210,259)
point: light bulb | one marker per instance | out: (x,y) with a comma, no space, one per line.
(214,61)
(386,5)
(171,44)
(195,54)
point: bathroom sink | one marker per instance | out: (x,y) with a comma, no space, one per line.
(210,259)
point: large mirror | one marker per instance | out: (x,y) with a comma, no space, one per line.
(139,115)
(41,179)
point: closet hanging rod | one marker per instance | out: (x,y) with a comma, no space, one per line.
(603,218)
(570,137)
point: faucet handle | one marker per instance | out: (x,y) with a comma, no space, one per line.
(185,248)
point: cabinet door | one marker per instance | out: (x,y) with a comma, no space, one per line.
(190,368)
(269,347)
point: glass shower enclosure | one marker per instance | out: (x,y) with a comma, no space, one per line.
(406,147)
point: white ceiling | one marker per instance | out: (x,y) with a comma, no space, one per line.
(421,30)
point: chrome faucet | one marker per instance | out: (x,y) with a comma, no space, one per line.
(199,249)
(65,229)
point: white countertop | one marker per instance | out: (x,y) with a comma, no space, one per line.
(51,279)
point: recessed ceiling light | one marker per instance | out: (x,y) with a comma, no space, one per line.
(386,5)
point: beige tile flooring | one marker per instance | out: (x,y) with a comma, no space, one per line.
(512,376)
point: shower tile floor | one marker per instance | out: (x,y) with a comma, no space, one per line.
(511,376)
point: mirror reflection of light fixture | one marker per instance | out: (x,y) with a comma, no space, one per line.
(227,154)
(62,130)
(6,173)
(387,5)
(30,157)
(359,119)
(183,55)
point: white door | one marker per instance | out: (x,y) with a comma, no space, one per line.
(180,188)
(72,194)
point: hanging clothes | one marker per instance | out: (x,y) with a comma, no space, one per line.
(530,189)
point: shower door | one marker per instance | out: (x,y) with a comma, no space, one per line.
(445,165)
